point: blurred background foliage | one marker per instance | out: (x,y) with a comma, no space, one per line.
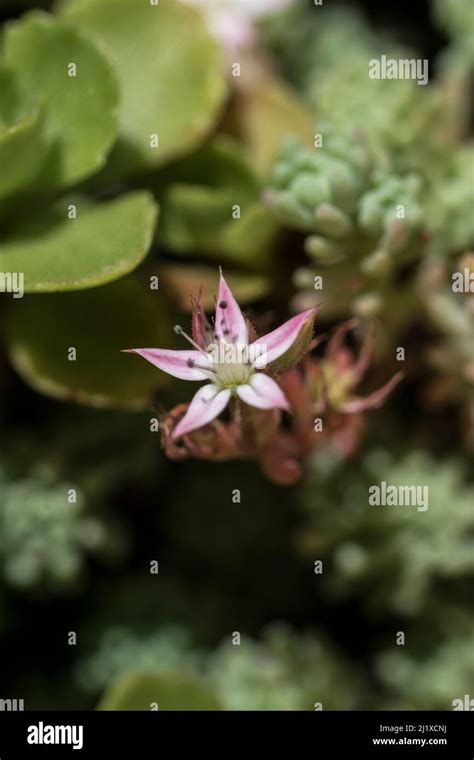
(113,231)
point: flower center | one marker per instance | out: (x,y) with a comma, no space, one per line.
(231,363)
(230,375)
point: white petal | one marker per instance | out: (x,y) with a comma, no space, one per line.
(263,393)
(205,406)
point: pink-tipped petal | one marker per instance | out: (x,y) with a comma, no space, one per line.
(277,342)
(205,406)
(263,393)
(186,365)
(230,324)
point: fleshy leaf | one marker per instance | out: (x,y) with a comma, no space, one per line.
(105,242)
(21,147)
(97,323)
(249,241)
(199,196)
(172,82)
(142,691)
(80,108)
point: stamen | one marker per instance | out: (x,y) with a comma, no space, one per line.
(179,331)
(191,363)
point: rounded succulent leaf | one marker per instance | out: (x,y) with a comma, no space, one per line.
(170,71)
(77,87)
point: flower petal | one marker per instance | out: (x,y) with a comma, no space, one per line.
(205,406)
(263,393)
(277,342)
(176,363)
(230,324)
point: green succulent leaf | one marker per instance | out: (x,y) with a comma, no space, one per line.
(98,324)
(249,241)
(21,148)
(199,197)
(80,105)
(172,82)
(105,242)
(140,691)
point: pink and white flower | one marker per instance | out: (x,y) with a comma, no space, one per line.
(229,373)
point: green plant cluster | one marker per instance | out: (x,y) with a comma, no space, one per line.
(400,553)
(134,163)
(46,534)
(418,157)
(354,209)
(284,671)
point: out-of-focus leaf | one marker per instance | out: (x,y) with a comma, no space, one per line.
(211,204)
(267,112)
(80,110)
(97,323)
(170,72)
(140,691)
(21,148)
(189,227)
(179,282)
(104,242)
(249,242)
(220,165)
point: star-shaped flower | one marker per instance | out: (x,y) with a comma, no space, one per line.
(229,360)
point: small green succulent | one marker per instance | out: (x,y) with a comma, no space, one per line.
(283,671)
(364,223)
(46,534)
(392,555)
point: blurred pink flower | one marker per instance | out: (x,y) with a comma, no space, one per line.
(232,21)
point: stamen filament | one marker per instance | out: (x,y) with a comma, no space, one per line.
(179,331)
(192,363)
